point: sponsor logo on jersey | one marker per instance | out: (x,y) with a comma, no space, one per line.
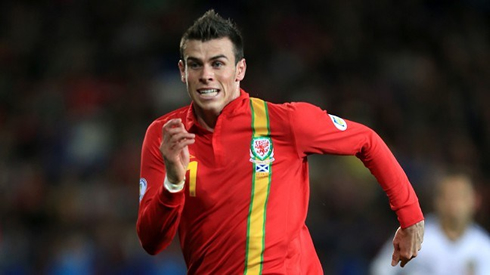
(143,186)
(262,154)
(339,122)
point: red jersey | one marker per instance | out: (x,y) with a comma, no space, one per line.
(245,201)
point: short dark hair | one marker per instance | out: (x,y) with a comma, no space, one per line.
(213,26)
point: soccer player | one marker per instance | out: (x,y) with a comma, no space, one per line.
(229,172)
(454,243)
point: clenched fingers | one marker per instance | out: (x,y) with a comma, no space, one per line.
(175,136)
(174,139)
(406,243)
(175,152)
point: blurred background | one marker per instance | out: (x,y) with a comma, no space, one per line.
(80,80)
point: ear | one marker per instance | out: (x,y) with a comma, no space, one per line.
(241,68)
(182,70)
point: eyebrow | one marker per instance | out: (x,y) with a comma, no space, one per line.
(195,59)
(218,57)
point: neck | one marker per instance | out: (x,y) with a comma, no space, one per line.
(453,230)
(207,121)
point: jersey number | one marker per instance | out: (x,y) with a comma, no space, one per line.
(192,167)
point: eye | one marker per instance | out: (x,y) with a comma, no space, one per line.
(193,65)
(218,64)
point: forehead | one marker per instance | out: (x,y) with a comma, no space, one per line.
(208,49)
(456,186)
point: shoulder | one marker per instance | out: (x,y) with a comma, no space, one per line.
(156,125)
(296,116)
(478,239)
(293,106)
(480,234)
(295,110)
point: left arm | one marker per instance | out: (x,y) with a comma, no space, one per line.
(333,135)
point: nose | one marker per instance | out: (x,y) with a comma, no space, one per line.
(207,74)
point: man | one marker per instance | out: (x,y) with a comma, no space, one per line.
(230,172)
(454,244)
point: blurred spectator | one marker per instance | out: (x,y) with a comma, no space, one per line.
(453,242)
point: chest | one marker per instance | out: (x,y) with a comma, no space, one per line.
(448,257)
(223,164)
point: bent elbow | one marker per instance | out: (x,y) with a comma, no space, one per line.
(151,243)
(150,249)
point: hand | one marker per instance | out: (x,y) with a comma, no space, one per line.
(407,242)
(174,149)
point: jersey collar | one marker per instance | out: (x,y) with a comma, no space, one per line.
(234,107)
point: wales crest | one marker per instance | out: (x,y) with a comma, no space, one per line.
(262,152)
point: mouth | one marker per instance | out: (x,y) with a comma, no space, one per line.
(208,93)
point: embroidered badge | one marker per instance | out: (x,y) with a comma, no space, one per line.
(338,122)
(261,147)
(262,154)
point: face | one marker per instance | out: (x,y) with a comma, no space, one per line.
(455,201)
(210,74)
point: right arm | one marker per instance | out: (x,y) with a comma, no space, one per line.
(164,154)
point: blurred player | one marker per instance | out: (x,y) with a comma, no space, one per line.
(229,172)
(453,243)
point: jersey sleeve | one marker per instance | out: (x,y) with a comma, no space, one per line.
(159,210)
(317,132)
